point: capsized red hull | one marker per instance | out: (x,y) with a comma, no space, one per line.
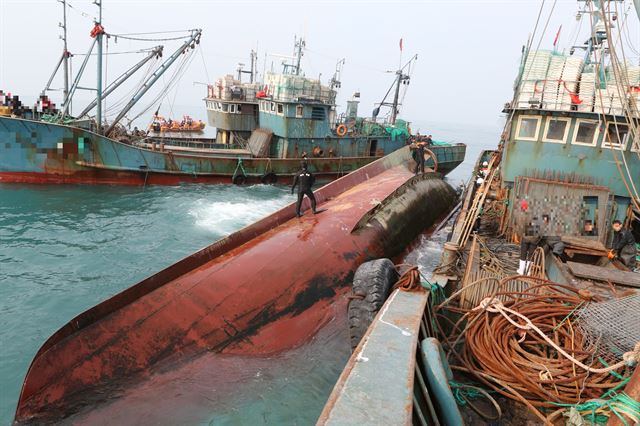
(264,289)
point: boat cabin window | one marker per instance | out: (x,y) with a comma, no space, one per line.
(528,128)
(617,136)
(299,111)
(317,113)
(586,132)
(272,107)
(225,107)
(556,130)
(232,108)
(280,109)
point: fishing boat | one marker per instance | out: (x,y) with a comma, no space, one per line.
(56,146)
(532,315)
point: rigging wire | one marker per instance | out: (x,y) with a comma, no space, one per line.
(128,52)
(156,32)
(516,93)
(602,117)
(116,106)
(204,64)
(185,62)
(81,12)
(124,37)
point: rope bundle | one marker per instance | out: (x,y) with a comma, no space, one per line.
(533,346)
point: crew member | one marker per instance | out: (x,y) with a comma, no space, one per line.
(485,169)
(589,230)
(304,179)
(528,244)
(418,156)
(623,246)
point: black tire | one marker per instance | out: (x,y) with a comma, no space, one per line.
(239,179)
(373,281)
(269,178)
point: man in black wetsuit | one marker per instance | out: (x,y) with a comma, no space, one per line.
(304,179)
(418,156)
(623,246)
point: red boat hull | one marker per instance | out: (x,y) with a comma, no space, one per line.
(264,289)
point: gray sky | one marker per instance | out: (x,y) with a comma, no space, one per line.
(468,51)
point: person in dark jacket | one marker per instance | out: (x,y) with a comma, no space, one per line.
(304,180)
(528,243)
(623,246)
(418,156)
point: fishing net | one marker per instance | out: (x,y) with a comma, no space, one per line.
(611,327)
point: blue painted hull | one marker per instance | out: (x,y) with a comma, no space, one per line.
(41,152)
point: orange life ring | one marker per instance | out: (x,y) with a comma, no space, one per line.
(341,130)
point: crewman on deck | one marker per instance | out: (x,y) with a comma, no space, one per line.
(589,230)
(528,244)
(304,179)
(418,156)
(623,246)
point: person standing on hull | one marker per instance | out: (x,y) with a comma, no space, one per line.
(304,180)
(623,246)
(418,156)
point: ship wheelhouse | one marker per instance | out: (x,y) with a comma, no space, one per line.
(569,167)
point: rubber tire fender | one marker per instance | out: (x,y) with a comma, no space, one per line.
(373,281)
(239,179)
(269,178)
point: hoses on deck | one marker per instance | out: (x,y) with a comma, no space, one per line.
(524,346)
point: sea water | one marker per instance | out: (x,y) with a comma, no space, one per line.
(64,249)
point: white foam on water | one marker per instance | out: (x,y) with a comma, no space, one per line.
(225,214)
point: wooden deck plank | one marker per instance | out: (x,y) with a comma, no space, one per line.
(630,279)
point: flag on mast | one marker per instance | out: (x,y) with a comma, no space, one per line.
(555,41)
(401,45)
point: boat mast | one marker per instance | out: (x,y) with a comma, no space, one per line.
(100,32)
(64,59)
(299,45)
(401,78)
(65,52)
(254,64)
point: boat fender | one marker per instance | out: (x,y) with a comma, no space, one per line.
(341,130)
(372,283)
(269,178)
(428,154)
(239,179)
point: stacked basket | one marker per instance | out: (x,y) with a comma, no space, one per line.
(587,89)
(535,70)
(573,66)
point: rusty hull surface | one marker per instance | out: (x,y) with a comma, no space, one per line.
(264,289)
(376,386)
